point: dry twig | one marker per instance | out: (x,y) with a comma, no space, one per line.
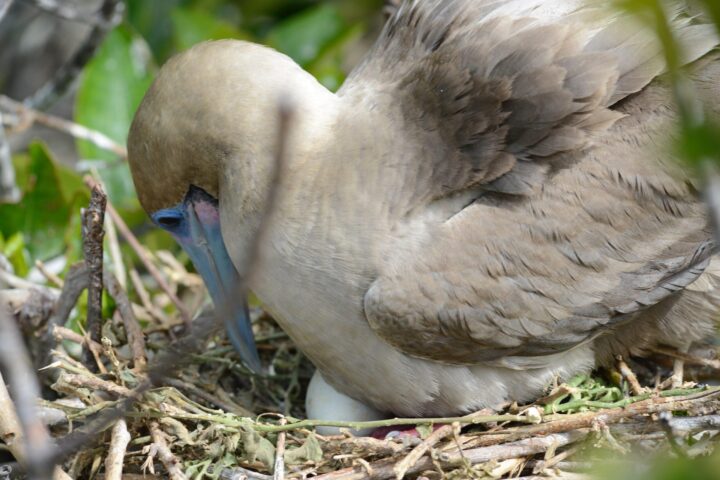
(16,366)
(109,15)
(629,375)
(116,453)
(171,463)
(93,219)
(144,255)
(28,116)
(136,340)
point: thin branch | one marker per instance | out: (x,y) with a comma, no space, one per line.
(116,453)
(688,358)
(16,367)
(49,276)
(92,231)
(109,15)
(10,430)
(4,7)
(419,451)
(62,333)
(193,390)
(75,130)
(143,254)
(136,340)
(76,281)
(65,11)
(384,469)
(9,191)
(115,253)
(629,375)
(94,383)
(171,463)
(279,465)
(145,298)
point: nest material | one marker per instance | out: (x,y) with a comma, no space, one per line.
(157,394)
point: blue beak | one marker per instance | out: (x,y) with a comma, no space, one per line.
(195,224)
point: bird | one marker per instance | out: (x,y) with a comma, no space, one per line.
(490,202)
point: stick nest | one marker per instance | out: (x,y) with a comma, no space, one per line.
(153,393)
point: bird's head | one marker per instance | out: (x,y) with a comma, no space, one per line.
(201,150)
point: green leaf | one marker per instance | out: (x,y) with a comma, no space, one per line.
(112,86)
(152,20)
(304,36)
(43,215)
(192,26)
(15,251)
(424,430)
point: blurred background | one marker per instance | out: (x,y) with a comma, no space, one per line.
(123,44)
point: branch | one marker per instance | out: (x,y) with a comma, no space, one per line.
(143,254)
(4,7)
(136,340)
(93,233)
(172,465)
(116,454)
(16,366)
(75,130)
(8,188)
(109,15)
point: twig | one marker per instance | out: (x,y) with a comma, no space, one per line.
(10,431)
(65,11)
(176,355)
(172,465)
(116,453)
(62,333)
(692,359)
(471,419)
(94,383)
(239,473)
(279,465)
(564,422)
(75,130)
(664,418)
(76,281)
(543,465)
(193,390)
(8,188)
(384,469)
(93,233)
(145,297)
(109,15)
(115,253)
(143,254)
(4,7)
(136,341)
(51,277)
(629,375)
(412,458)
(16,366)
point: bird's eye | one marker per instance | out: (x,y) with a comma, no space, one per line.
(168,219)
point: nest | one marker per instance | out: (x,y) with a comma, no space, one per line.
(148,391)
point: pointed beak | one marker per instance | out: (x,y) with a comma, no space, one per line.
(204,244)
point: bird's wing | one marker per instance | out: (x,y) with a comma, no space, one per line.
(492,90)
(572,228)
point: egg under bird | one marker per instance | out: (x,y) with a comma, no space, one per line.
(489,202)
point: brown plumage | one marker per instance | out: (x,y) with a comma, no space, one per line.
(489,201)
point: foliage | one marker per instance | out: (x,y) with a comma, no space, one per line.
(43,220)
